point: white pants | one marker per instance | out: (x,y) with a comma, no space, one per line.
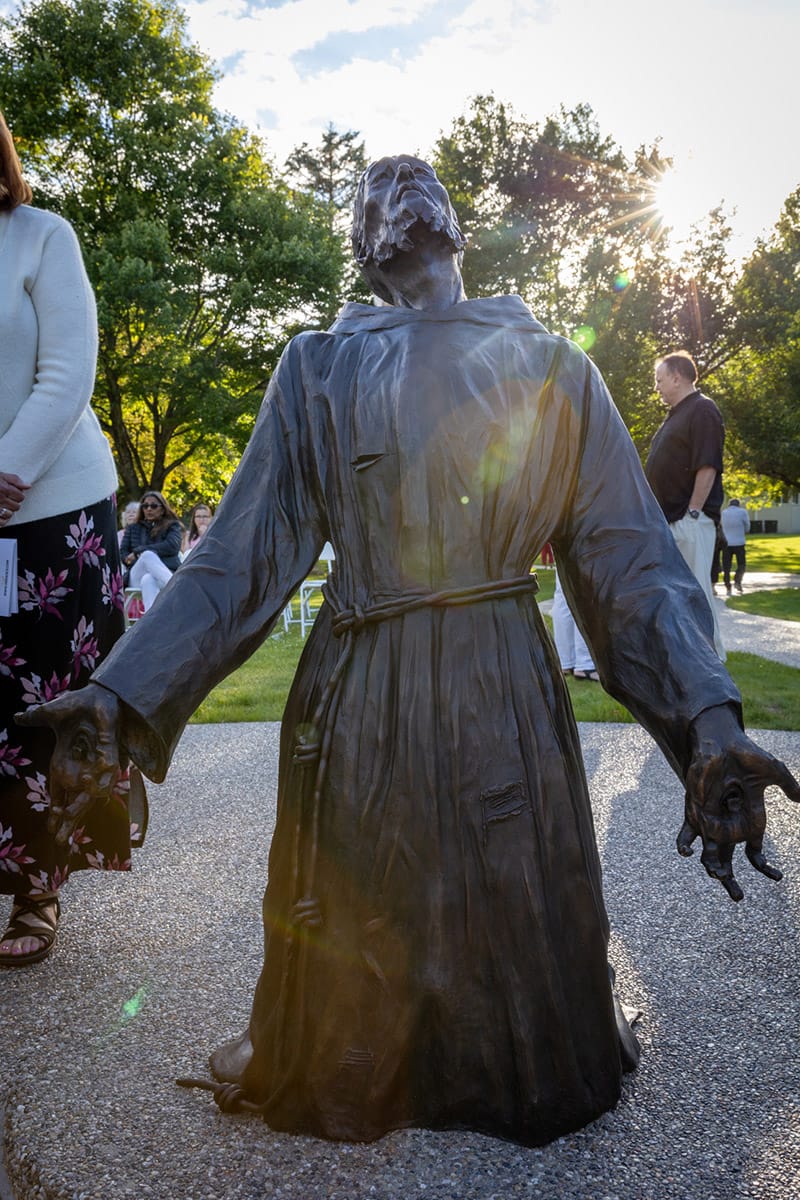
(695,540)
(573,653)
(150,575)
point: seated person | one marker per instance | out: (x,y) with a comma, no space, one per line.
(151,547)
(199,521)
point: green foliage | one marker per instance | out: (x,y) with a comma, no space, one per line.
(554,211)
(755,491)
(760,389)
(702,312)
(331,171)
(202,261)
(531,199)
(329,174)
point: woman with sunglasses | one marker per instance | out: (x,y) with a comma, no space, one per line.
(151,547)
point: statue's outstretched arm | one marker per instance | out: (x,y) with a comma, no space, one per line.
(725,786)
(87,759)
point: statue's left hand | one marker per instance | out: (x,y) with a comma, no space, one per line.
(725,786)
(85,765)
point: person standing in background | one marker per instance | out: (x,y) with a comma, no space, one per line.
(735,526)
(57,485)
(684,469)
(573,653)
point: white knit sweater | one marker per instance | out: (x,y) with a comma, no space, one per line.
(49,435)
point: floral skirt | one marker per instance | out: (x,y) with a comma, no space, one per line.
(70,615)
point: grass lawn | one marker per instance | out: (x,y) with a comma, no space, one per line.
(774,552)
(783,603)
(258,690)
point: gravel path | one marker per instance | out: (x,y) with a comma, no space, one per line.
(153,970)
(764,636)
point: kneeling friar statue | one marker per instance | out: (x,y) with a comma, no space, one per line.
(435,932)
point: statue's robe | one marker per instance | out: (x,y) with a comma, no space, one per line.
(458,977)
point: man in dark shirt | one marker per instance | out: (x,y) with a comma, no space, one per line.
(684,468)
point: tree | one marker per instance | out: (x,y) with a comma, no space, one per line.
(329,174)
(331,171)
(555,212)
(535,199)
(202,260)
(760,388)
(700,312)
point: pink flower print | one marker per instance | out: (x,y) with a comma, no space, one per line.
(8,659)
(87,544)
(38,795)
(78,838)
(36,691)
(43,882)
(113,589)
(11,756)
(84,647)
(12,858)
(101,863)
(44,593)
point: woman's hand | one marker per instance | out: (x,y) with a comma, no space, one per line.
(12,493)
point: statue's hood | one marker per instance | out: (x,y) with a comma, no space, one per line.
(509,312)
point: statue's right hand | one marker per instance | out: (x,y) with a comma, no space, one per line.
(85,765)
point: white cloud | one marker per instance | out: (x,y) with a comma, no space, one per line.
(715,79)
(300,25)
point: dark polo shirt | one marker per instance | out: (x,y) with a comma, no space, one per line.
(691,436)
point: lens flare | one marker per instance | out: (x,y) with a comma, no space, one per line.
(585,336)
(130,1008)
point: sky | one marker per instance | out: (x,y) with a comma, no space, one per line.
(715,80)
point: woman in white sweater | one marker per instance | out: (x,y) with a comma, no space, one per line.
(57,484)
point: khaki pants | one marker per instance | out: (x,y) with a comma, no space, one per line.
(695,540)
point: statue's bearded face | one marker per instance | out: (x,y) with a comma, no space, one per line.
(398,199)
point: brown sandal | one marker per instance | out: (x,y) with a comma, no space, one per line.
(31,916)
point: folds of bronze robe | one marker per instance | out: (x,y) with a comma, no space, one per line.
(435,933)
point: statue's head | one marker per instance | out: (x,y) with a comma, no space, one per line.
(400,201)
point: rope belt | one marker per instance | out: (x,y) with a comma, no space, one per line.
(314,749)
(349,622)
(356,618)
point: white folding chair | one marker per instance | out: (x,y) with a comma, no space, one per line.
(309,586)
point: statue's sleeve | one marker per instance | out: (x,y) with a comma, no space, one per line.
(641,610)
(224,600)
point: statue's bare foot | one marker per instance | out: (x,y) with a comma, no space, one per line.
(229,1062)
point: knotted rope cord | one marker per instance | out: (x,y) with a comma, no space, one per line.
(311,749)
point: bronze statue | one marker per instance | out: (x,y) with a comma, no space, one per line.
(435,933)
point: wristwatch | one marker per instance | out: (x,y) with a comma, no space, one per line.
(694,513)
